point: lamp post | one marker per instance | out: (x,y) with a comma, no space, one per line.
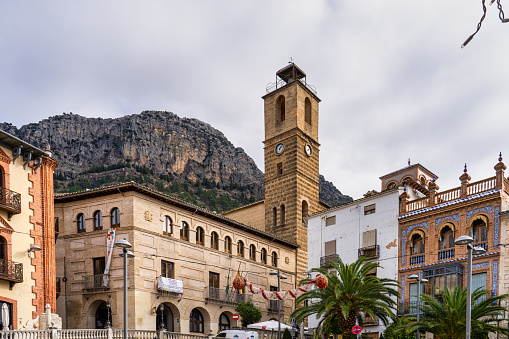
(279,277)
(161,326)
(419,280)
(124,245)
(468,240)
(108,308)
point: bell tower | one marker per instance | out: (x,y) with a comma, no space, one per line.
(291,157)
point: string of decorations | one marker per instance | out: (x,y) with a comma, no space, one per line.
(500,15)
(320,281)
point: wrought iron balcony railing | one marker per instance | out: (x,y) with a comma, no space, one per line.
(482,245)
(10,201)
(324,261)
(221,296)
(370,252)
(273,306)
(11,271)
(98,282)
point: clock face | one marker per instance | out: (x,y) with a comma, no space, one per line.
(280,148)
(309,150)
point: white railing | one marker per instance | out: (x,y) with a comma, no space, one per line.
(95,334)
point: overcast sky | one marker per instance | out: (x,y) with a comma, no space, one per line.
(392,77)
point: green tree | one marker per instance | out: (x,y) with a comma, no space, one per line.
(350,293)
(287,334)
(248,312)
(447,319)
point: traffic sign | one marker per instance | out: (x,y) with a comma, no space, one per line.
(356,329)
(235,316)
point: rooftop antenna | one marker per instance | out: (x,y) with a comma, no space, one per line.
(408,161)
(291,60)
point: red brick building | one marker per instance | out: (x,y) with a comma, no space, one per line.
(27,230)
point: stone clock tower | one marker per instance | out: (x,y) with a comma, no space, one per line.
(291,157)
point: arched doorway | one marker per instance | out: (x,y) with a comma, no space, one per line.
(224,322)
(102,315)
(164,315)
(196,323)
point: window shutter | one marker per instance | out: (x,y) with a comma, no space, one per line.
(330,247)
(369,238)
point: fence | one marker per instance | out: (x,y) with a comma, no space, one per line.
(94,334)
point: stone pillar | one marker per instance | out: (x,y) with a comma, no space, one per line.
(499,170)
(433,188)
(465,178)
(403,201)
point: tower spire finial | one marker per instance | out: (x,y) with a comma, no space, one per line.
(500,157)
(465,170)
(408,161)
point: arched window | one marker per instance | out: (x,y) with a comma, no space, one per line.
(3,251)
(164,314)
(480,232)
(102,315)
(280,109)
(214,241)
(98,220)
(283,214)
(391,186)
(200,235)
(274,259)
(304,208)
(80,220)
(196,321)
(167,225)
(263,256)
(115,217)
(184,231)
(274,216)
(417,244)
(252,252)
(224,322)
(446,238)
(228,245)
(307,111)
(240,248)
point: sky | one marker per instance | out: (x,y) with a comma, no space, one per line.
(394,82)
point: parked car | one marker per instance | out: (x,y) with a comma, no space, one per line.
(237,334)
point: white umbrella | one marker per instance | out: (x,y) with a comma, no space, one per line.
(5,317)
(268,325)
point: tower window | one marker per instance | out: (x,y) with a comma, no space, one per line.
(282,214)
(81,223)
(307,111)
(274,216)
(279,168)
(280,109)
(304,208)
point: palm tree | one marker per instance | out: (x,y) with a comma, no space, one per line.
(447,319)
(349,293)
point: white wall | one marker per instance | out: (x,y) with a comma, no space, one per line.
(350,224)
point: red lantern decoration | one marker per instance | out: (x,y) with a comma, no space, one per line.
(239,283)
(321,281)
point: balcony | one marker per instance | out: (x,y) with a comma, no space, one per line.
(221,296)
(446,254)
(482,245)
(324,261)
(96,283)
(11,271)
(417,259)
(370,252)
(368,321)
(10,201)
(273,306)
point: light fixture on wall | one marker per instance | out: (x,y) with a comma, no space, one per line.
(33,248)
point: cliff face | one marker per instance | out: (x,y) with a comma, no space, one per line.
(183,157)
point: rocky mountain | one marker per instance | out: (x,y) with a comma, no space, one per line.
(183,157)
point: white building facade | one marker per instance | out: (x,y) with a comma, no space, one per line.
(364,227)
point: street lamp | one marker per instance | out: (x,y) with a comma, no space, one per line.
(419,280)
(468,240)
(279,278)
(124,245)
(108,309)
(161,326)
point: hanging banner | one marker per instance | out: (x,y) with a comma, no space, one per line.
(110,242)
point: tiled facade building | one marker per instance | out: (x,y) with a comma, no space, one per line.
(27,231)
(430,221)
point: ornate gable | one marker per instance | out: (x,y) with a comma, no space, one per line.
(4,157)
(4,226)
